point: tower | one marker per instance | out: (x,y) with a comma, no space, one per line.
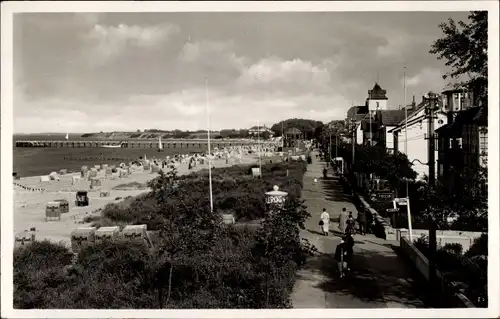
(377,98)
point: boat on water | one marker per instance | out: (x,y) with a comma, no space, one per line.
(112,145)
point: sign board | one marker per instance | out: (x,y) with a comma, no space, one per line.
(273,199)
(382,196)
(400,201)
(255,171)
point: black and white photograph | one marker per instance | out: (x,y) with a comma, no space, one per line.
(310,159)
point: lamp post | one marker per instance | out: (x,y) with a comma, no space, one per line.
(336,145)
(353,122)
(431,221)
(431,107)
(275,198)
(371,132)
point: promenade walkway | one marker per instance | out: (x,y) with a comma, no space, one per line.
(379,278)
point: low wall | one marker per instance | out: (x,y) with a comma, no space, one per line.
(464,238)
(445,288)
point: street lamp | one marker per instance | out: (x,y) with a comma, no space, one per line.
(353,126)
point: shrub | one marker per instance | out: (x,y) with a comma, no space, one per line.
(232,188)
(449,261)
(124,259)
(38,272)
(196,263)
(42,255)
(454,248)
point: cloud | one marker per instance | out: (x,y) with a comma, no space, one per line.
(290,77)
(395,45)
(213,59)
(272,70)
(426,76)
(109,41)
(117,71)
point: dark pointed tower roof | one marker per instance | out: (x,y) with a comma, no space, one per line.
(377,93)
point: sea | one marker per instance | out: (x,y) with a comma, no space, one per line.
(43,161)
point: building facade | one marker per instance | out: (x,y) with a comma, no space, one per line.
(364,117)
(463,147)
(377,99)
(415,142)
(354,117)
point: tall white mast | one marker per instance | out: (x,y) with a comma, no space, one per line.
(209,151)
(406,122)
(258,143)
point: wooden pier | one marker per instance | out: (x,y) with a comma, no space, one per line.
(127,144)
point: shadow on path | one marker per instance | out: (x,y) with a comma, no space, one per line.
(373,278)
(335,190)
(377,279)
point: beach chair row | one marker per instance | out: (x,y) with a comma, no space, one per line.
(85,236)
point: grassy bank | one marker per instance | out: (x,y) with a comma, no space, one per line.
(197,262)
(235,191)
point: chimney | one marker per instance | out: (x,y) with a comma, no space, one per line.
(413,103)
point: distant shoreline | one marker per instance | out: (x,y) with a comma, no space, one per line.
(28,162)
(62,137)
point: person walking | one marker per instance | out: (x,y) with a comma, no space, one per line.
(362,221)
(342,220)
(325,222)
(340,254)
(350,224)
(349,248)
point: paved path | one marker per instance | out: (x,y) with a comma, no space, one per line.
(379,278)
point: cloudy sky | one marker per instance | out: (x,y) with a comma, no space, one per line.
(127,71)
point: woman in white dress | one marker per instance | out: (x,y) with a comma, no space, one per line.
(325,222)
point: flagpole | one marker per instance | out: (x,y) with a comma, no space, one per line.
(209,152)
(406,152)
(258,143)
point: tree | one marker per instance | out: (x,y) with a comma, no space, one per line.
(465,48)
(279,249)
(376,160)
(305,126)
(318,133)
(469,204)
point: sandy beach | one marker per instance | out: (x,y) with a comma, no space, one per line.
(29,206)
